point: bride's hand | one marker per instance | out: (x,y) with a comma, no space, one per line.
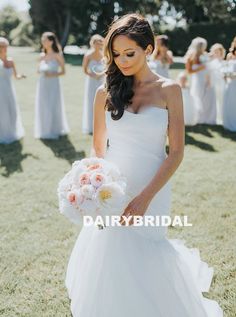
(136,207)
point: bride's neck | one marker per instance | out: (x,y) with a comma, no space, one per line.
(143,76)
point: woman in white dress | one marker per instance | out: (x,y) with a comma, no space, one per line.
(201,89)
(93,68)
(132,271)
(229,103)
(190,115)
(11,128)
(217,55)
(162,57)
(50,117)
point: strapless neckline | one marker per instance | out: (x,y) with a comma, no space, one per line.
(145,108)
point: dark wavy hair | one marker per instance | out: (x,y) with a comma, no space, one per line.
(56,47)
(119,88)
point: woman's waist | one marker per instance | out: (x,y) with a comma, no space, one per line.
(136,168)
(130,152)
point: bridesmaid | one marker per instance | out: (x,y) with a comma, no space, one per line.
(190,115)
(11,128)
(217,55)
(229,109)
(201,88)
(93,67)
(50,117)
(162,57)
(232,50)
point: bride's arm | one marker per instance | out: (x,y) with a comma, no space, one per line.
(99,124)
(176,140)
(139,204)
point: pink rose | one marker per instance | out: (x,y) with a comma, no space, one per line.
(75,197)
(84,179)
(71,197)
(97,179)
(94,167)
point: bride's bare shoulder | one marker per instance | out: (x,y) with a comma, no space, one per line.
(171,92)
(101,91)
(170,87)
(101,95)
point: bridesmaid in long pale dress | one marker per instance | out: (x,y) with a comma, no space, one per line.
(11,128)
(93,67)
(229,104)
(201,88)
(162,57)
(217,54)
(50,117)
(190,115)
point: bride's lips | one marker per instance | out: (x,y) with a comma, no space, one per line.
(126,68)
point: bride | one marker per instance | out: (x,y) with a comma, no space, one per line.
(129,271)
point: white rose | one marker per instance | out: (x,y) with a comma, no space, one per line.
(88,191)
(110,196)
(70,211)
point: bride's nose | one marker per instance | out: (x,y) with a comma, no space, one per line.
(123,60)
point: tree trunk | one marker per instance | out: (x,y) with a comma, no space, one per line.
(66,30)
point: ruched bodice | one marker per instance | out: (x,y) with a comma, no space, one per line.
(133,133)
(137,146)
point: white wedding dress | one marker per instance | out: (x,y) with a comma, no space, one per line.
(136,271)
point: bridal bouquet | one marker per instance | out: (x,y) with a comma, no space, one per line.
(92,187)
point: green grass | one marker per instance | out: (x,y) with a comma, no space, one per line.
(36,241)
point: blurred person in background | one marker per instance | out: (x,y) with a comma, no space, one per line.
(11,128)
(50,117)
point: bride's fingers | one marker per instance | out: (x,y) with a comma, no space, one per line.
(125,216)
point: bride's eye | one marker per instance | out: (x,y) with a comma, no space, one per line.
(131,54)
(115,55)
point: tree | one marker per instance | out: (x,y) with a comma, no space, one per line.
(9,20)
(82,18)
(195,11)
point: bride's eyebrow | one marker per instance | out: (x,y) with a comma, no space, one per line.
(128,49)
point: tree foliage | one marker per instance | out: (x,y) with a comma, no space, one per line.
(79,19)
(9,20)
(82,18)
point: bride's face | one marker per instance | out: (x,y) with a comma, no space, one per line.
(128,56)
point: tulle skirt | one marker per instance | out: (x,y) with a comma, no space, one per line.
(117,272)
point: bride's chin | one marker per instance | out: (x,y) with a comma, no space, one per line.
(127,72)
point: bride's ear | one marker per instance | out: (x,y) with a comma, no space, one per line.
(149,50)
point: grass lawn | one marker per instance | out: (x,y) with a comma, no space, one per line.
(36,241)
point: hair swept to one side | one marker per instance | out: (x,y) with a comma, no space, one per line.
(119,87)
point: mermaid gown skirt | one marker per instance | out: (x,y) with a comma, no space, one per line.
(136,271)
